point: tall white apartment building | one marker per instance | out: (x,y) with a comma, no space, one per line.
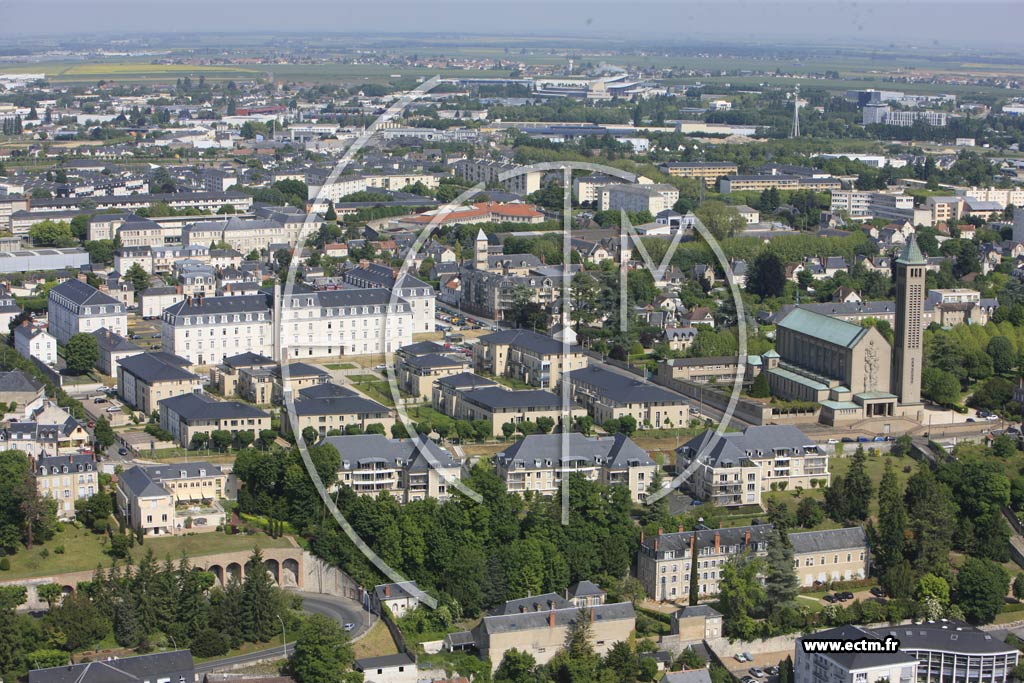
(655,197)
(419,294)
(340,322)
(206,330)
(75,307)
(489,172)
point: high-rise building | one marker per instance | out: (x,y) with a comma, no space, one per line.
(910,292)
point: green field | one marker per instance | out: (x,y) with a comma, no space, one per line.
(84,550)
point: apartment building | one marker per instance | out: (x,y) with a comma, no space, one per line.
(145,379)
(737,467)
(755,182)
(489,173)
(174,666)
(540,626)
(66,479)
(499,405)
(112,348)
(154,300)
(225,376)
(538,463)
(35,342)
(419,295)
(343,322)
(419,368)
(207,330)
(408,469)
(346,185)
(945,209)
(852,667)
(587,189)
(865,205)
(186,415)
(608,394)
(329,407)
(74,307)
(527,356)
(1002,196)
(702,370)
(161,500)
(665,560)
(653,197)
(244,234)
(708,171)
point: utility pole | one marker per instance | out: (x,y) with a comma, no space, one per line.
(284,638)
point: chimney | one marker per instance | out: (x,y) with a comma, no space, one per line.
(660,531)
(364,263)
(718,541)
(693,543)
(82,277)
(551,619)
(746,538)
(387,590)
(682,528)
(655,544)
(177,289)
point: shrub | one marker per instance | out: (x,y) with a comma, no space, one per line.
(5,564)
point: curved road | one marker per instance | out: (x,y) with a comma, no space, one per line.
(342,610)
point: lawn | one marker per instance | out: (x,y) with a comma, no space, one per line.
(377,389)
(377,642)
(84,550)
(341,366)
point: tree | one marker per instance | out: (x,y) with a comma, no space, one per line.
(1018,586)
(260,601)
(322,651)
(1004,358)
(720,219)
(981,589)
(892,520)
(49,593)
(52,234)
(516,667)
(898,581)
(780,581)
(857,487)
(330,214)
(221,439)
(139,278)
(767,276)
(933,515)
(760,387)
(545,424)
(81,353)
(932,587)
(104,434)
(940,386)
(809,513)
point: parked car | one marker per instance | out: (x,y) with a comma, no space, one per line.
(844,596)
(863,439)
(971,419)
(772,670)
(757,672)
(877,592)
(749,656)
(833,442)
(829,598)
(983,413)
(879,438)
(748,679)
(122,451)
(696,501)
(739,657)
(847,439)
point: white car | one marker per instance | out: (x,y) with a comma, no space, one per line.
(833,442)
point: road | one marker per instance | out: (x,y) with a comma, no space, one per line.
(342,610)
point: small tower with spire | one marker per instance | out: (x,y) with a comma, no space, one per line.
(480,250)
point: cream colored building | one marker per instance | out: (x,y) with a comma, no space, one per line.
(537,463)
(66,479)
(499,405)
(739,467)
(330,407)
(172,499)
(489,173)
(526,356)
(420,365)
(607,395)
(655,197)
(190,414)
(665,561)
(708,171)
(408,469)
(145,379)
(75,307)
(695,623)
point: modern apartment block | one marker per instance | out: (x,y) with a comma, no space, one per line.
(737,467)
(538,463)
(190,414)
(607,395)
(654,197)
(171,499)
(526,356)
(708,171)
(489,173)
(408,469)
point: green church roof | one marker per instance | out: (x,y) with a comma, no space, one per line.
(912,254)
(824,327)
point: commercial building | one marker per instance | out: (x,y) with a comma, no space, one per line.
(37,260)
(887,116)
(408,469)
(66,478)
(852,667)
(665,560)
(75,307)
(145,379)
(893,206)
(702,370)
(539,462)
(482,212)
(736,468)
(190,414)
(526,356)
(608,394)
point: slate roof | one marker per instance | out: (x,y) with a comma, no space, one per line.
(945,636)
(211,305)
(411,453)
(338,405)
(111,342)
(199,406)
(126,670)
(533,603)
(614,452)
(528,339)
(423,348)
(435,360)
(327,390)
(150,369)
(733,448)
(827,540)
(466,380)
(623,388)
(83,294)
(509,623)
(692,676)
(859,660)
(496,398)
(17,381)
(384,662)
(585,588)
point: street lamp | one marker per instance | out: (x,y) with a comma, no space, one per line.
(284,637)
(173,641)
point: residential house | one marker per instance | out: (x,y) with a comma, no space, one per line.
(113,348)
(66,478)
(162,667)
(35,342)
(330,407)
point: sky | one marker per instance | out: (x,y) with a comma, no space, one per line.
(964,23)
